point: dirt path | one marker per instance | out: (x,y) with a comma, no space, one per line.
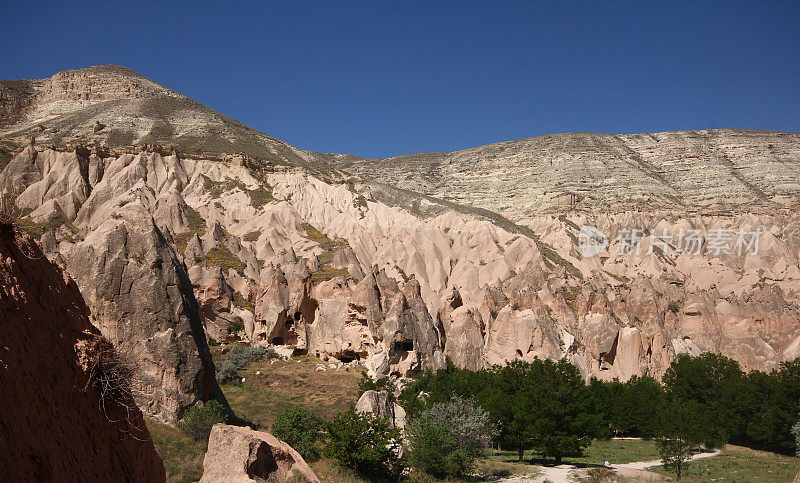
(563,473)
(640,465)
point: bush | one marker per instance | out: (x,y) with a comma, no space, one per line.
(601,474)
(446,439)
(434,450)
(227,372)
(239,357)
(198,420)
(368,384)
(365,444)
(300,428)
(235,328)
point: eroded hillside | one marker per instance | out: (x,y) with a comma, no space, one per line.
(172,248)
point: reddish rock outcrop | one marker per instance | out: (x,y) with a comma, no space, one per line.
(57,421)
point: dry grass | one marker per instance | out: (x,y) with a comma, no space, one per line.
(329,471)
(291,383)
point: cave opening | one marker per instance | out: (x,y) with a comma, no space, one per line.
(404,345)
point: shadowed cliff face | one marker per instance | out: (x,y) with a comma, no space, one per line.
(370,273)
(55,422)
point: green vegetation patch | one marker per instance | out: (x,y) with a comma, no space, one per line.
(55,222)
(197,224)
(616,451)
(221,256)
(216,188)
(737,463)
(240,301)
(326,271)
(260,196)
(5,158)
(252,236)
(182,456)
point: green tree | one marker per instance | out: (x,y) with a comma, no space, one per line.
(445,440)
(430,388)
(511,406)
(542,405)
(562,421)
(300,428)
(680,433)
(771,403)
(714,384)
(639,399)
(365,444)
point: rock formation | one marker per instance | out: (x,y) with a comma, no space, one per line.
(722,169)
(381,405)
(137,287)
(65,410)
(237,454)
(273,245)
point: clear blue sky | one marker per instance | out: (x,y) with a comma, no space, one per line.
(382,78)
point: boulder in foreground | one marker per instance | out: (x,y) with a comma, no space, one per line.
(237,454)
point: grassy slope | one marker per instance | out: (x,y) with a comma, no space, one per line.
(737,463)
(182,456)
(291,383)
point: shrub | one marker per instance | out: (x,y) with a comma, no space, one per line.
(300,428)
(446,439)
(198,420)
(235,328)
(9,213)
(601,474)
(221,256)
(239,357)
(260,197)
(227,372)
(241,302)
(368,384)
(365,444)
(796,433)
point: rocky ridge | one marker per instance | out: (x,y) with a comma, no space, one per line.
(708,170)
